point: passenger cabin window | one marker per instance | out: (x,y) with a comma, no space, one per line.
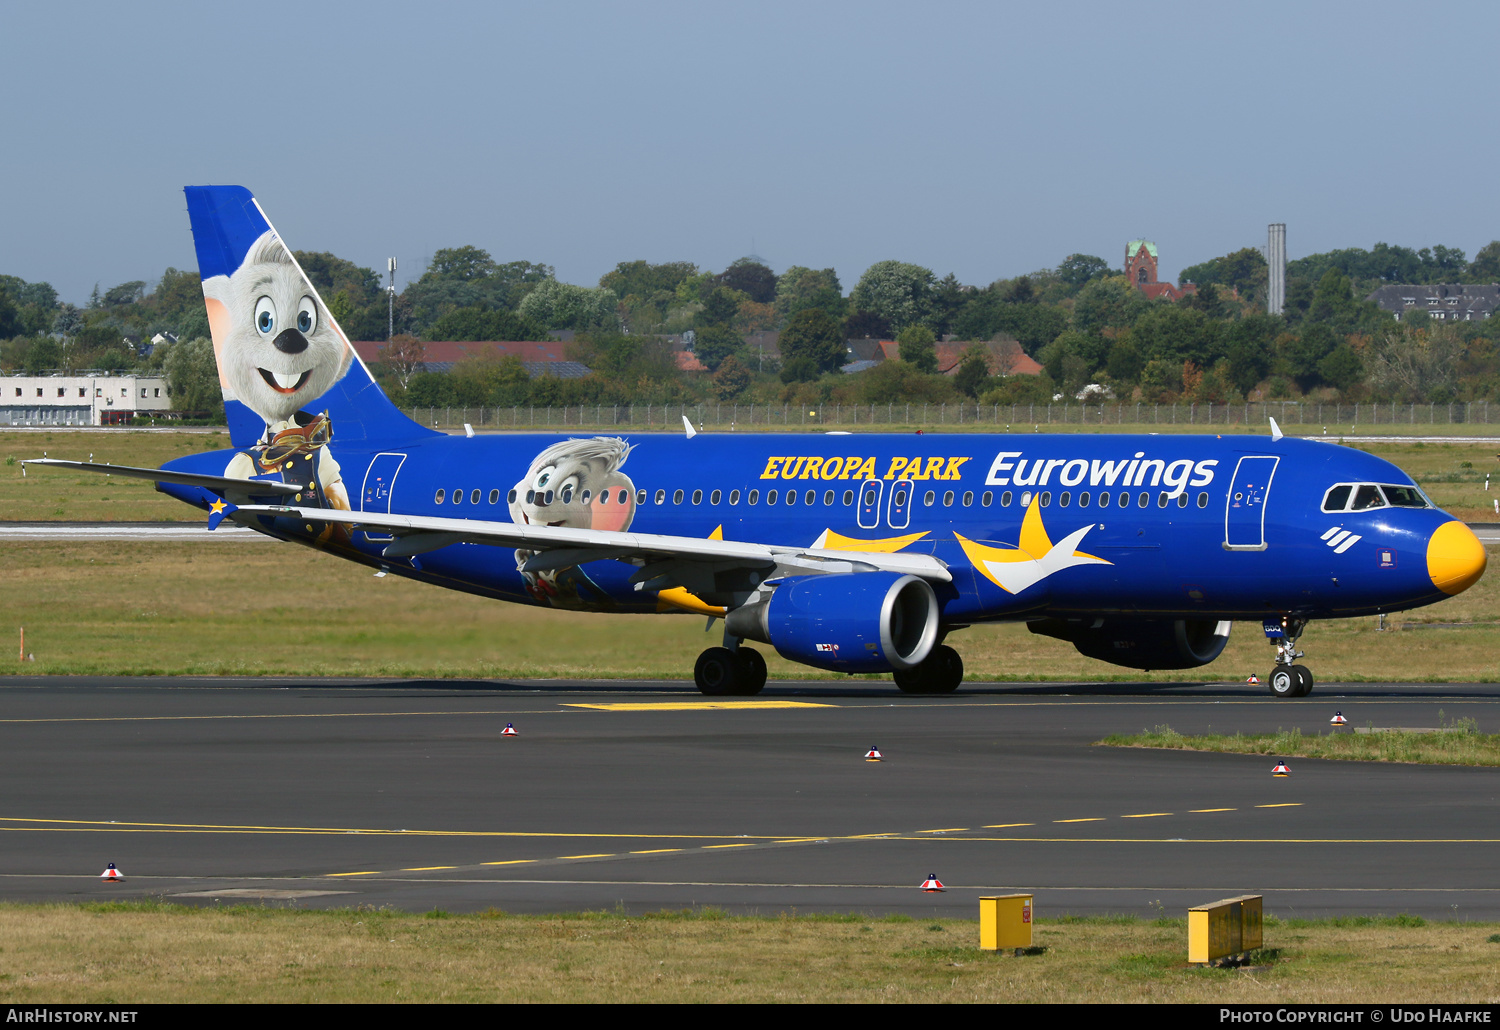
(811,497)
(640,497)
(734,497)
(697,496)
(848,498)
(771,496)
(676,496)
(439,498)
(716,497)
(495,496)
(661,497)
(1104,500)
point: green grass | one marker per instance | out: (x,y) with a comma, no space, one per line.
(1460,744)
(117,608)
(152,951)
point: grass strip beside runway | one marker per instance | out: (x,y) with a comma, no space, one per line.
(155,952)
(154,609)
(1459,743)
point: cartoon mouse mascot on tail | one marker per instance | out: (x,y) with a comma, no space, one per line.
(278,350)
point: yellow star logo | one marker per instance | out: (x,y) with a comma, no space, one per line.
(217,507)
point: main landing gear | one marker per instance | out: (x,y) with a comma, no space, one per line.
(1287,679)
(939,673)
(721,672)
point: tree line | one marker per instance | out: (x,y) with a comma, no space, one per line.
(1091,329)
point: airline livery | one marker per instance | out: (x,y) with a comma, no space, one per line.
(851,553)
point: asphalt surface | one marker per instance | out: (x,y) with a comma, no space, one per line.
(405,794)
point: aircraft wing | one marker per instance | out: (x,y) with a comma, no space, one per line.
(558,547)
(218,484)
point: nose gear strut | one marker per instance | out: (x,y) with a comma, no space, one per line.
(1287,679)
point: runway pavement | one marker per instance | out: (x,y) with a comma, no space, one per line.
(648,796)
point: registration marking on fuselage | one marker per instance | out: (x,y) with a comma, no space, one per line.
(687,706)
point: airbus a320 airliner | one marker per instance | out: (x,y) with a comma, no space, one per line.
(851,553)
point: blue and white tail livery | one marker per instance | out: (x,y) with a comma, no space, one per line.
(851,553)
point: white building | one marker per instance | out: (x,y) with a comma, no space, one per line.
(80,399)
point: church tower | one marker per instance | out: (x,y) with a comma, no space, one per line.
(1140,262)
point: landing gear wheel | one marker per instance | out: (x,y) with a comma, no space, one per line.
(717,672)
(940,673)
(1304,680)
(752,671)
(1283,682)
(944,669)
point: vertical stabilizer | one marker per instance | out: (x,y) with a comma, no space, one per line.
(284,362)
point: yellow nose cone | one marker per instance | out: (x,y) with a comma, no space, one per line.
(1455,558)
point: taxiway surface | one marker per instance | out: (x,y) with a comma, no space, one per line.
(648,796)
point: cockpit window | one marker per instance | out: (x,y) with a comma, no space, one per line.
(1404,496)
(1365,496)
(1338,498)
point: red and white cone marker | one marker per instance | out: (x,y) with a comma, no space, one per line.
(509,731)
(1338,720)
(932,885)
(1254,680)
(112,874)
(873,755)
(1281,769)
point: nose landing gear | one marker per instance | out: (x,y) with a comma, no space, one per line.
(1287,679)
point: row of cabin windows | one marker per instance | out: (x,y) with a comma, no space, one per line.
(870,499)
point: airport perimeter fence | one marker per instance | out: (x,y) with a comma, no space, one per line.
(1291,415)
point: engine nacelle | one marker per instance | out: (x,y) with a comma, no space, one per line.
(848,622)
(1135,644)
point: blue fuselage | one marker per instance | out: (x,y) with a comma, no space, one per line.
(1199,527)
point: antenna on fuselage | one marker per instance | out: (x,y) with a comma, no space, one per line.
(688,426)
(1276,433)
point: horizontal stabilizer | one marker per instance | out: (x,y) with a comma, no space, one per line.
(218,484)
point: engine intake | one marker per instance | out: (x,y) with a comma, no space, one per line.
(847,622)
(1145,645)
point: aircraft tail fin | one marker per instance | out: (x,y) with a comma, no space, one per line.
(283,360)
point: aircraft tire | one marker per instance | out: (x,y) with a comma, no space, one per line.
(1304,680)
(717,672)
(910,681)
(1283,682)
(940,673)
(944,670)
(752,670)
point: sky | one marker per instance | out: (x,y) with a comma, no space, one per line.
(983,139)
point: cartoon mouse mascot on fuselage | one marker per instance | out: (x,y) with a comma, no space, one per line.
(578,484)
(278,350)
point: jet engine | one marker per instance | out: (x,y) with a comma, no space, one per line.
(1138,644)
(845,622)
